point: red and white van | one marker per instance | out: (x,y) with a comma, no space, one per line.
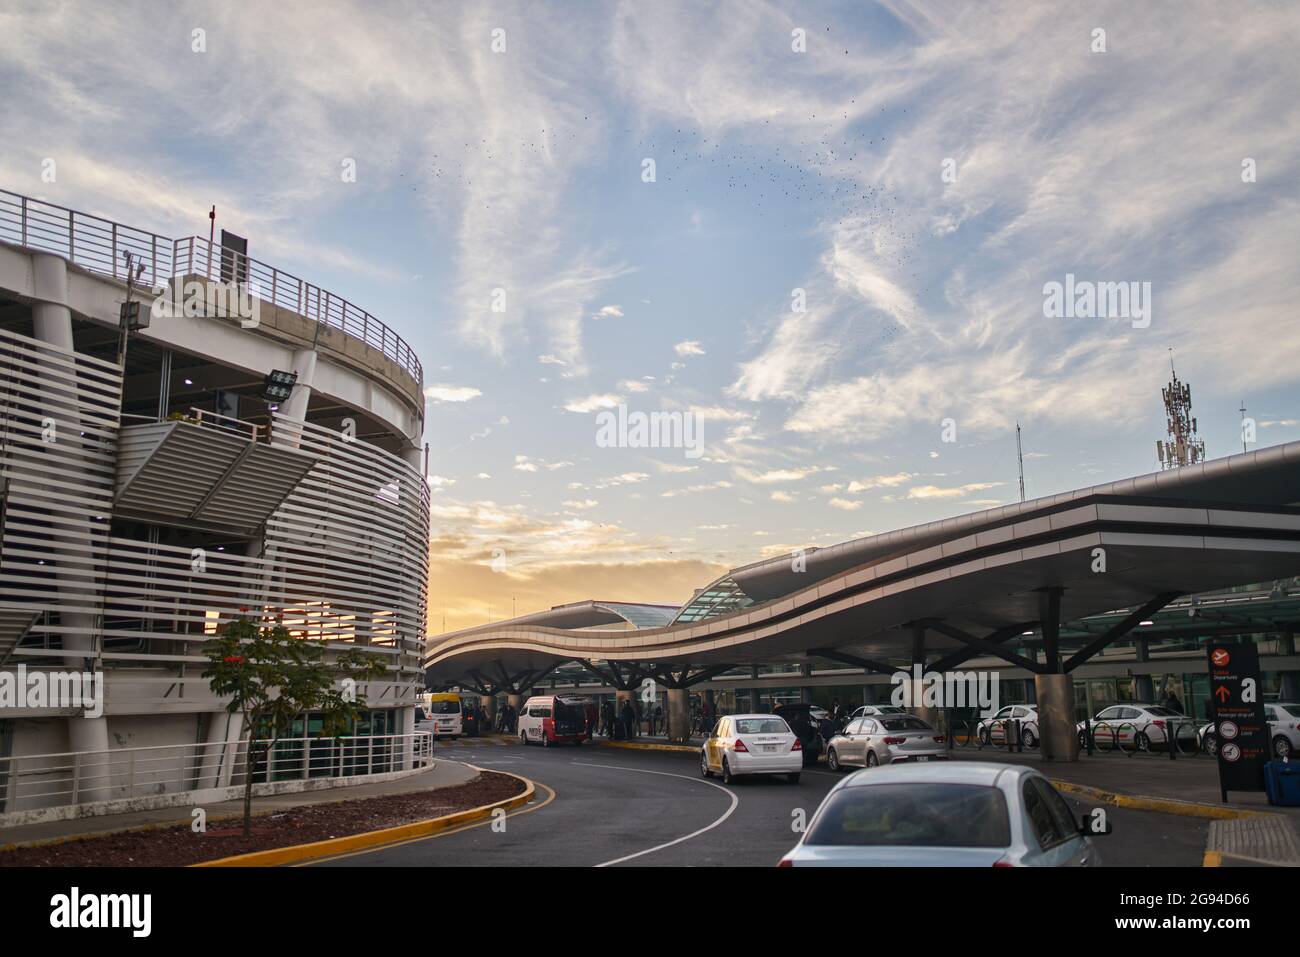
(549,720)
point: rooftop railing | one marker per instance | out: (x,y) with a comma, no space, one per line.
(99,245)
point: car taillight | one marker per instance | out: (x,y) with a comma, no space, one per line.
(1003,862)
(739,746)
(1159,724)
(894,740)
(940,738)
(785,862)
(798,745)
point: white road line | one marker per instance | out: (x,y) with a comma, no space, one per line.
(735,802)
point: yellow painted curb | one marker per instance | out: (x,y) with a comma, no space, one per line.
(355,842)
(1140,802)
(633,746)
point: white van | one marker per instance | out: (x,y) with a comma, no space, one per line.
(556,719)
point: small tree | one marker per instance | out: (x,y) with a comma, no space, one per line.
(272,677)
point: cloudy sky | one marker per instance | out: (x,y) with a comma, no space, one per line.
(842,247)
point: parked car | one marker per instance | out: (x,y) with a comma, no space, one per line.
(887,739)
(799,717)
(1137,726)
(1283,730)
(743,744)
(956,814)
(872,710)
(993,729)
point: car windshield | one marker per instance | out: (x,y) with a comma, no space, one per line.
(914,815)
(761,726)
(904,724)
(444,707)
(1292,709)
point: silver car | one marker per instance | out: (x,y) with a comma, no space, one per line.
(885,739)
(956,814)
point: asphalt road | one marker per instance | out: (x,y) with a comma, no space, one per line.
(619,807)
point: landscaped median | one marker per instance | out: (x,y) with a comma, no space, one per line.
(291,835)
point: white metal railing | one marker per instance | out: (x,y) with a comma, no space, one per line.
(99,245)
(55,780)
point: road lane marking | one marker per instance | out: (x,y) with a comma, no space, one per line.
(735,802)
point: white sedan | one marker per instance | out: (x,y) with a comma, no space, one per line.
(1137,726)
(744,744)
(1283,731)
(955,814)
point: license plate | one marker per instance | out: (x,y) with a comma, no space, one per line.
(769,747)
(924,757)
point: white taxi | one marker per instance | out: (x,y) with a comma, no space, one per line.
(743,744)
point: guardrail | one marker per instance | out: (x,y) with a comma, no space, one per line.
(53,780)
(100,245)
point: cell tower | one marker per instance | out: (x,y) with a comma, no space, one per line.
(1182,447)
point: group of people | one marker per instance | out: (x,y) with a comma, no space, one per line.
(507,719)
(625,721)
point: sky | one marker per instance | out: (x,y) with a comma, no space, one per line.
(837,268)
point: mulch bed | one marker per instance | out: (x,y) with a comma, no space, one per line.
(176,846)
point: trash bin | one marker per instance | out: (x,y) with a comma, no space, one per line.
(1282,783)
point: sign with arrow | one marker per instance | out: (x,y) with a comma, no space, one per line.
(1239,722)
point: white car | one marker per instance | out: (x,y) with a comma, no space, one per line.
(954,814)
(876,710)
(744,744)
(993,729)
(1283,730)
(1139,726)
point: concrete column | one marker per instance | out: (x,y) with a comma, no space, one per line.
(214,750)
(91,735)
(1290,690)
(926,713)
(515,701)
(304,363)
(1056,724)
(679,715)
(488,703)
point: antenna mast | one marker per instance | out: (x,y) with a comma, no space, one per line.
(1020,460)
(1183,447)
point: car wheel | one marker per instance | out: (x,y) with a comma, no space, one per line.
(704,765)
(793,778)
(1141,741)
(1028,738)
(1210,745)
(872,760)
(1282,748)
(727,776)
(833,760)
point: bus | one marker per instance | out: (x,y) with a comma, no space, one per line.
(444,713)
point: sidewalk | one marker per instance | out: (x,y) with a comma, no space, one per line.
(442,774)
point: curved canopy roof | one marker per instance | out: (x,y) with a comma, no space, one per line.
(1223,523)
